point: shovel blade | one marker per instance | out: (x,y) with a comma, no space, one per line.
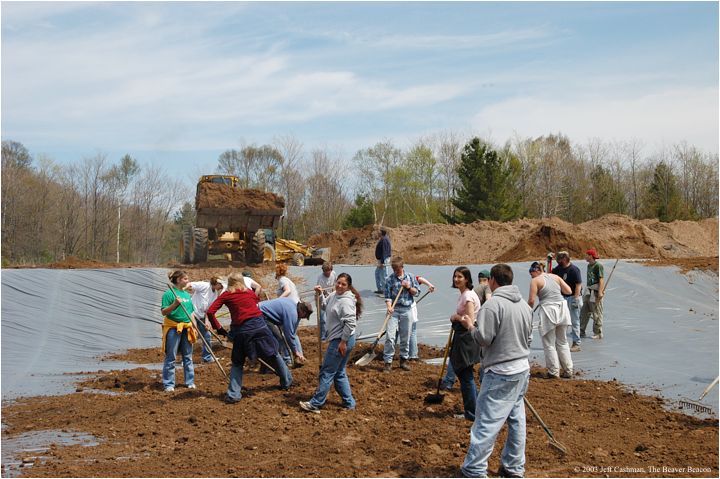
(365,360)
(434,398)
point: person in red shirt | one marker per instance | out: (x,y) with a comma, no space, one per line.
(251,336)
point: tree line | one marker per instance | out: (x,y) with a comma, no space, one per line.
(109,211)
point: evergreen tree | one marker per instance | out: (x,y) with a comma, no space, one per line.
(664,200)
(487,182)
(360,215)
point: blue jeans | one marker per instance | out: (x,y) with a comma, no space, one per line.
(323,331)
(574,319)
(175,342)
(236,376)
(450,377)
(400,321)
(413,342)
(206,356)
(469,392)
(500,400)
(382,272)
(332,372)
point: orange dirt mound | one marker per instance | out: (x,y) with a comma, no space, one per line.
(614,236)
(213,195)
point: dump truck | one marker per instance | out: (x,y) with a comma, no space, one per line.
(230,221)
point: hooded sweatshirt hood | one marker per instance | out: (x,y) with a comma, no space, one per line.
(509,292)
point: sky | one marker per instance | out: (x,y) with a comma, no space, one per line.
(176,84)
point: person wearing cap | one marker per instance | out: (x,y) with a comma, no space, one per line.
(326,281)
(592,299)
(483,288)
(571,275)
(203,294)
(283,316)
(383,253)
(554,319)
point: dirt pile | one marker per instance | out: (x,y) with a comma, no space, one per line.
(614,236)
(609,431)
(214,195)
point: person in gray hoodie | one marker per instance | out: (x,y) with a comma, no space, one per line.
(504,329)
(342,308)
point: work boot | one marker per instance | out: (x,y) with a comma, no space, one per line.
(404,365)
(582,334)
(549,376)
(387,367)
(566,374)
(502,472)
(575,348)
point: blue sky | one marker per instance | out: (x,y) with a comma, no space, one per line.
(179,83)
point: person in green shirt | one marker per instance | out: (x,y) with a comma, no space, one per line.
(178,330)
(592,299)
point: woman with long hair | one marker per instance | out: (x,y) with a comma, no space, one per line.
(342,309)
(554,319)
(178,331)
(465,352)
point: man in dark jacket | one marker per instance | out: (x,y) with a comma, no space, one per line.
(504,328)
(571,275)
(383,252)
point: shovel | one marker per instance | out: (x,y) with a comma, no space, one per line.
(367,359)
(217,361)
(437,398)
(553,442)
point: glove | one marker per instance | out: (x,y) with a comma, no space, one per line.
(222,332)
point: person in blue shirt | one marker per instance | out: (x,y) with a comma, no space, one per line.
(285,315)
(401,312)
(383,252)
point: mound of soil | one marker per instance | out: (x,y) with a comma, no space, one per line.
(214,195)
(609,431)
(614,236)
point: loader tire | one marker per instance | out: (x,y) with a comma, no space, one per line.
(298,259)
(254,254)
(200,245)
(186,245)
(268,253)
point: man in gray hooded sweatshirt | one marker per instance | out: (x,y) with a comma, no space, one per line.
(503,331)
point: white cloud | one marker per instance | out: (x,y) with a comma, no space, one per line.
(661,117)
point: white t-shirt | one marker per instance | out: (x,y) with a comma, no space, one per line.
(202,297)
(285,281)
(326,281)
(468,295)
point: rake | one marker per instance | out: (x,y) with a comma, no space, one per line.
(551,439)
(697,405)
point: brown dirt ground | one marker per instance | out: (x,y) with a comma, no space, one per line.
(145,432)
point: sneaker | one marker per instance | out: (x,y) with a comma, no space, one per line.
(566,374)
(446,387)
(169,389)
(404,365)
(229,400)
(191,386)
(306,406)
(575,348)
(597,336)
(377,291)
(550,376)
(582,334)
(458,416)
(502,472)
(414,359)
(387,367)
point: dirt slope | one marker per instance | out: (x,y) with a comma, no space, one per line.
(146,433)
(614,236)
